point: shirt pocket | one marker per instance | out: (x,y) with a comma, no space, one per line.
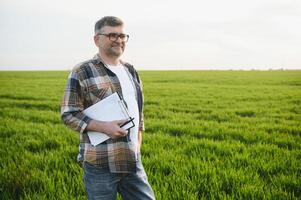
(99,89)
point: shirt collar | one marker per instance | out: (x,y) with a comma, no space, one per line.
(99,60)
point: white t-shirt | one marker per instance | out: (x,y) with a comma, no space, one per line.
(129,96)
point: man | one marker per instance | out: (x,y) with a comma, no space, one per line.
(114,165)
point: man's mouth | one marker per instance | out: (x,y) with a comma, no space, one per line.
(117,46)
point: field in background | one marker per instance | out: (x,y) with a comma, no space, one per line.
(209,134)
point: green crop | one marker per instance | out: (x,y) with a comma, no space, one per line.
(209,135)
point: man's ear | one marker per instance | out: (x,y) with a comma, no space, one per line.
(96,40)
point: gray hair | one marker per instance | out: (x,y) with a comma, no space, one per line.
(107,21)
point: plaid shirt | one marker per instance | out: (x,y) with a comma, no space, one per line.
(88,83)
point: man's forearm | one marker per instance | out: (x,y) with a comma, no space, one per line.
(111,128)
(140,137)
(139,140)
(97,126)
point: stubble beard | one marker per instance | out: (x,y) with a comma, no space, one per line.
(115,53)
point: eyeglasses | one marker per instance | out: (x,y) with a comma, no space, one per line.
(114,36)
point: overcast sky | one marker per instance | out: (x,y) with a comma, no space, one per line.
(200,34)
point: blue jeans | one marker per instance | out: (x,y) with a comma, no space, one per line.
(101,184)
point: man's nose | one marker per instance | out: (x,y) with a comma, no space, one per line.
(119,40)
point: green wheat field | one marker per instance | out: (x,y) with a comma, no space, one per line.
(209,135)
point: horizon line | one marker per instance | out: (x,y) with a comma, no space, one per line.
(156,68)
(64,70)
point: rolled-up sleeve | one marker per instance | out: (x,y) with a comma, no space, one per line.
(72,105)
(141,123)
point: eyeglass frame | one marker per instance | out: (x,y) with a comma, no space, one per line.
(118,35)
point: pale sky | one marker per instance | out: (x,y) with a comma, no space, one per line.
(170,34)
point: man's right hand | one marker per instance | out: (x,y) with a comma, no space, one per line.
(112,128)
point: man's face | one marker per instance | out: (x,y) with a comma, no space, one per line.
(108,47)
